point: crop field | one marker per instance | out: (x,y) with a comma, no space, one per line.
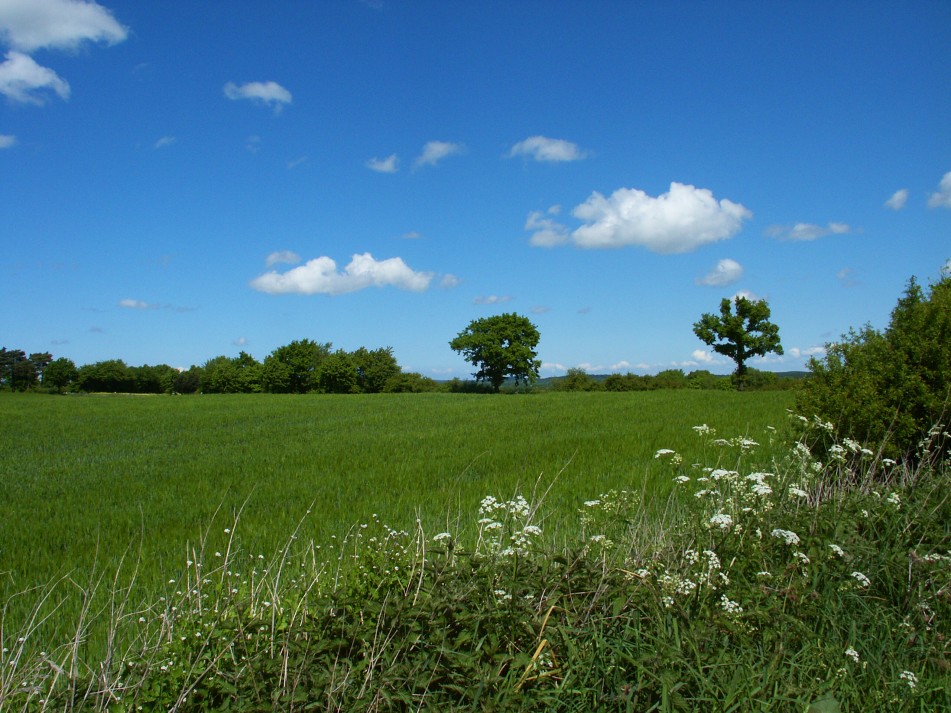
(87,482)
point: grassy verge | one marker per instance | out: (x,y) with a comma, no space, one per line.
(799,587)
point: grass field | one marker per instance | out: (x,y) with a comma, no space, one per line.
(85,480)
(762,580)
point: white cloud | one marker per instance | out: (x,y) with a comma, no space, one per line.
(390,164)
(436,151)
(702,356)
(6,141)
(797,353)
(320,276)
(942,197)
(846,276)
(898,199)
(268,93)
(286,257)
(134,304)
(547,232)
(448,281)
(491,299)
(751,296)
(23,80)
(240,341)
(29,25)
(623,364)
(542,148)
(726,272)
(541,309)
(165,141)
(678,221)
(806,231)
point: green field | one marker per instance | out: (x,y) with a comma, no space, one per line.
(86,479)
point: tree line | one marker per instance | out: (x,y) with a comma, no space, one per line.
(303,366)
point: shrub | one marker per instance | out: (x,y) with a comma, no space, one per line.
(888,388)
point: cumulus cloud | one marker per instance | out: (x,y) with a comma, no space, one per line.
(898,199)
(726,272)
(23,80)
(286,257)
(6,141)
(678,221)
(321,276)
(491,299)
(436,151)
(942,197)
(702,356)
(546,232)
(797,353)
(390,164)
(449,281)
(29,25)
(806,231)
(267,93)
(541,148)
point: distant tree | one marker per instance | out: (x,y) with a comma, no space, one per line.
(410,383)
(59,374)
(338,374)
(187,382)
(294,367)
(374,368)
(576,379)
(10,369)
(110,375)
(152,379)
(41,360)
(627,382)
(669,379)
(740,335)
(500,347)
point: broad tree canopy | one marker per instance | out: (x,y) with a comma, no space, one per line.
(500,347)
(740,335)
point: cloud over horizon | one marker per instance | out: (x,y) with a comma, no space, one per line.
(320,276)
(898,199)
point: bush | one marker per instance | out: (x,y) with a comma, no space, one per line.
(888,388)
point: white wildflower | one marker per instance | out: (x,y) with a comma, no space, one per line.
(852,654)
(592,503)
(681,479)
(790,538)
(664,452)
(861,579)
(798,492)
(729,606)
(837,550)
(910,678)
(721,520)
(442,536)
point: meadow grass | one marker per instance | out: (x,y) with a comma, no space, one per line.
(801,587)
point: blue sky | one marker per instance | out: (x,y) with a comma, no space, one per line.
(180,180)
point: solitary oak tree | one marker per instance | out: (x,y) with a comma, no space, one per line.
(499,347)
(740,335)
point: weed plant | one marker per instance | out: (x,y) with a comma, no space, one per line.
(807,586)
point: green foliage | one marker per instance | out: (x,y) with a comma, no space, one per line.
(60,374)
(338,374)
(500,347)
(111,375)
(374,369)
(740,334)
(888,388)
(294,368)
(410,383)
(753,591)
(577,379)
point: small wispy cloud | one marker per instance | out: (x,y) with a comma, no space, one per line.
(24,81)
(846,277)
(267,93)
(541,148)
(165,141)
(7,140)
(285,257)
(898,199)
(942,197)
(546,232)
(725,272)
(806,231)
(491,299)
(449,281)
(390,164)
(436,151)
(135,304)
(294,163)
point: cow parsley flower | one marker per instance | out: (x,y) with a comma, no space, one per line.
(861,579)
(787,536)
(910,678)
(852,654)
(729,606)
(837,550)
(721,520)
